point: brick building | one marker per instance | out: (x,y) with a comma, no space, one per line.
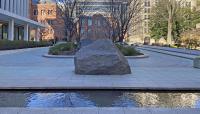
(95,18)
(94,27)
(46,12)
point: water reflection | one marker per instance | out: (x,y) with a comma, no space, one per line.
(189,100)
(99,99)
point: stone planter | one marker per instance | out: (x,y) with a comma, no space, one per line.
(197,62)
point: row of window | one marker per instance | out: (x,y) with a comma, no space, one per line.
(90,22)
(147,10)
(147,3)
(18,32)
(19,7)
(43,12)
(50,22)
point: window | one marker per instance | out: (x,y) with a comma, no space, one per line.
(83,22)
(98,23)
(1,30)
(43,12)
(21,33)
(5,31)
(35,12)
(89,22)
(147,10)
(146,30)
(147,3)
(42,21)
(146,24)
(82,30)
(105,24)
(50,12)
(51,31)
(89,30)
(146,17)
(50,22)
(0,7)
(188,4)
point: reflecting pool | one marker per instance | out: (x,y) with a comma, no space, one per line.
(99,99)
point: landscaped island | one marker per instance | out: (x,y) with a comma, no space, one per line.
(70,48)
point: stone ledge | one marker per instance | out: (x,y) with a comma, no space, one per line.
(96,87)
(7,52)
(72,56)
(167,53)
(197,63)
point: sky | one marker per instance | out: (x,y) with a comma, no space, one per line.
(43,1)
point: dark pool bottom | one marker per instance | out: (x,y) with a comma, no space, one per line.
(99,99)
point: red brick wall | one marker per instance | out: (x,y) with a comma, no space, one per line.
(99,28)
(49,12)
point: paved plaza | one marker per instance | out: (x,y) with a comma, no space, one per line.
(29,70)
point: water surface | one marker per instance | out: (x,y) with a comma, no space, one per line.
(99,99)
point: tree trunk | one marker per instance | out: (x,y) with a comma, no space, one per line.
(170,26)
(121,38)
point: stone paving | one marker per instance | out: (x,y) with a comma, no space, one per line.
(97,111)
(29,70)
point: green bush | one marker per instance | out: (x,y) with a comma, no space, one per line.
(61,48)
(128,51)
(19,44)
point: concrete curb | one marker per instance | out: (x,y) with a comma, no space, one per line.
(7,52)
(190,58)
(58,56)
(71,57)
(170,50)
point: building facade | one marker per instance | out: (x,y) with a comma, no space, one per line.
(46,12)
(95,19)
(15,22)
(94,27)
(141,32)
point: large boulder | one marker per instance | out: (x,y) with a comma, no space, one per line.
(101,58)
(86,42)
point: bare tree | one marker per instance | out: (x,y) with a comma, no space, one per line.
(70,11)
(122,19)
(66,9)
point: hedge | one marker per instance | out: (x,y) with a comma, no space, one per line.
(63,48)
(128,50)
(19,44)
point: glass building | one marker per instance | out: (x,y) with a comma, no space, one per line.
(43,1)
(15,22)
